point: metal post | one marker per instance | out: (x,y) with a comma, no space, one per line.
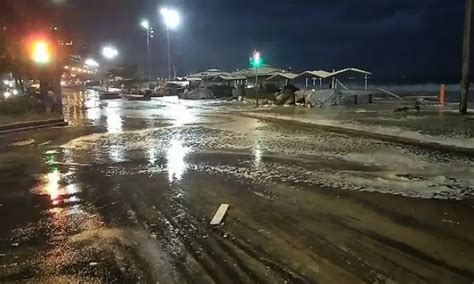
(465,59)
(333,81)
(256,84)
(366,82)
(169,53)
(148,55)
(44,85)
(306,82)
(320,83)
(57,90)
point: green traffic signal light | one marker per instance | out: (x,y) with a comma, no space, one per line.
(256,60)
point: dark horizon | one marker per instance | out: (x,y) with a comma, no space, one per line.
(395,39)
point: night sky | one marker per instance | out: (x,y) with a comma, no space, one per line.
(392,38)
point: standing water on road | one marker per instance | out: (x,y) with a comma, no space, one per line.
(127,191)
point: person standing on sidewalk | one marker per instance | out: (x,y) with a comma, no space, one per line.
(54,101)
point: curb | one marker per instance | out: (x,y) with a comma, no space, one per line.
(373,135)
(31,125)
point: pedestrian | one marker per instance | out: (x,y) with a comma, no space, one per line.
(41,101)
(54,101)
(442,94)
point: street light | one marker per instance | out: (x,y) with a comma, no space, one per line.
(149,34)
(145,24)
(109,52)
(172,20)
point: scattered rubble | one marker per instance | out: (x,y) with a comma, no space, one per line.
(198,94)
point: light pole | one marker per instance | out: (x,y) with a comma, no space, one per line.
(149,34)
(465,58)
(171,19)
(109,53)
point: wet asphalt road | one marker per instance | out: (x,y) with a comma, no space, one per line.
(126,194)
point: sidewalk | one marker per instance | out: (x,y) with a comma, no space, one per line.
(8,119)
(437,127)
(9,124)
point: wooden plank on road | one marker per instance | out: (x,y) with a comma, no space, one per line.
(220,214)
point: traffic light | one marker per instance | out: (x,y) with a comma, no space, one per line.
(40,49)
(256,60)
(41,52)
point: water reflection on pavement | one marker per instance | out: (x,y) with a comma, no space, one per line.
(127,191)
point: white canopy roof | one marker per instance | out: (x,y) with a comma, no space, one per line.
(208,73)
(324,74)
(274,73)
(349,71)
(265,70)
(316,74)
(281,75)
(230,77)
(193,79)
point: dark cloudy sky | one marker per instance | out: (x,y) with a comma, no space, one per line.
(392,38)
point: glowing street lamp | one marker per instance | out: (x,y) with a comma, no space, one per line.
(109,52)
(145,24)
(172,20)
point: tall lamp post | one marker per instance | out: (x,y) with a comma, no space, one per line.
(109,53)
(171,19)
(465,58)
(149,34)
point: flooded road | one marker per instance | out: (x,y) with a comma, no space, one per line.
(127,191)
